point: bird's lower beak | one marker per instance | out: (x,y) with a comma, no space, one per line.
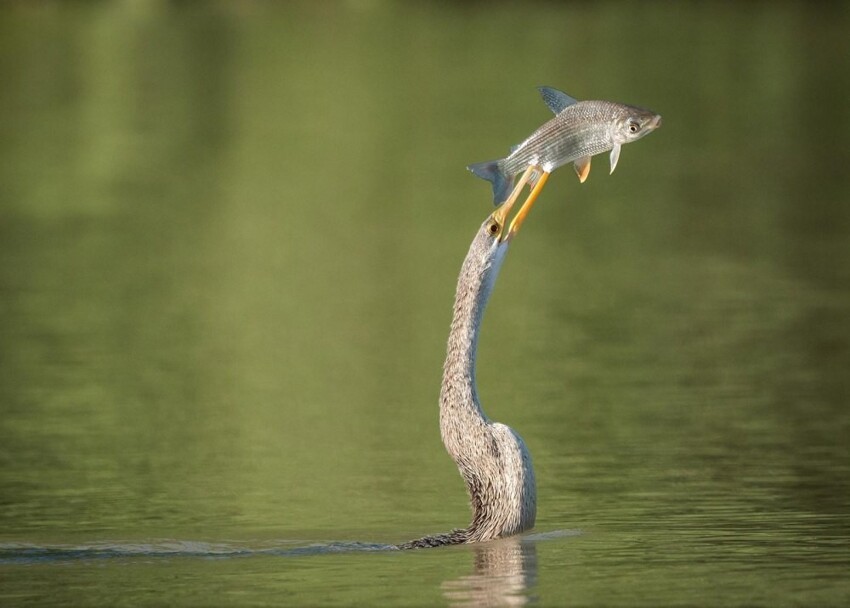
(501,214)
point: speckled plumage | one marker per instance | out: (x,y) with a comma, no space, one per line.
(491,457)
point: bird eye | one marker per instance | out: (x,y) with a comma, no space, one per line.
(634,127)
(493,228)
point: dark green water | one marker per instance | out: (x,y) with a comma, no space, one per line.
(229,237)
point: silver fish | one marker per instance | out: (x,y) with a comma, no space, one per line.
(579,130)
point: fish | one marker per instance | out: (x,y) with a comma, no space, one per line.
(579,130)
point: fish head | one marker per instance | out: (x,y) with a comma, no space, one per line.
(632,123)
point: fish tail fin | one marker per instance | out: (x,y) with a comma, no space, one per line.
(493,171)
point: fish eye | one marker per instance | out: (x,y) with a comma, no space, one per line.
(494,228)
(633,127)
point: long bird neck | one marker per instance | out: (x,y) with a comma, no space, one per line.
(459,395)
(491,458)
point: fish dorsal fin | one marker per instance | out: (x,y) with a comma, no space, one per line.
(555,99)
(514,148)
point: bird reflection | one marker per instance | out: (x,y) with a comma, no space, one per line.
(504,572)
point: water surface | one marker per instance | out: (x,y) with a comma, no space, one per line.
(229,238)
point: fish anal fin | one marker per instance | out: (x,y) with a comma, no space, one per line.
(582,167)
(555,99)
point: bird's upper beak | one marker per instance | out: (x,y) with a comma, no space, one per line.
(501,214)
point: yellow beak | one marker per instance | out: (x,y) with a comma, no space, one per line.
(501,214)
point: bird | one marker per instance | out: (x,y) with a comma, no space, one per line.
(491,457)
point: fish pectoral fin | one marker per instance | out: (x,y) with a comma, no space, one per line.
(615,156)
(582,167)
(534,175)
(555,99)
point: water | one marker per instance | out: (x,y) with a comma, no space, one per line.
(229,236)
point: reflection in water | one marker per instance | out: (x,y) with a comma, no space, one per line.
(504,571)
(203,335)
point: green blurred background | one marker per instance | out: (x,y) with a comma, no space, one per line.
(229,238)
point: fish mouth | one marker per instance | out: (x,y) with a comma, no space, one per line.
(655,122)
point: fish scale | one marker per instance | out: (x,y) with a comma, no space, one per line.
(579,130)
(567,137)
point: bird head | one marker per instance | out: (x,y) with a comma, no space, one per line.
(498,226)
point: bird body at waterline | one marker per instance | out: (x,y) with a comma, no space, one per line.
(492,459)
(579,130)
